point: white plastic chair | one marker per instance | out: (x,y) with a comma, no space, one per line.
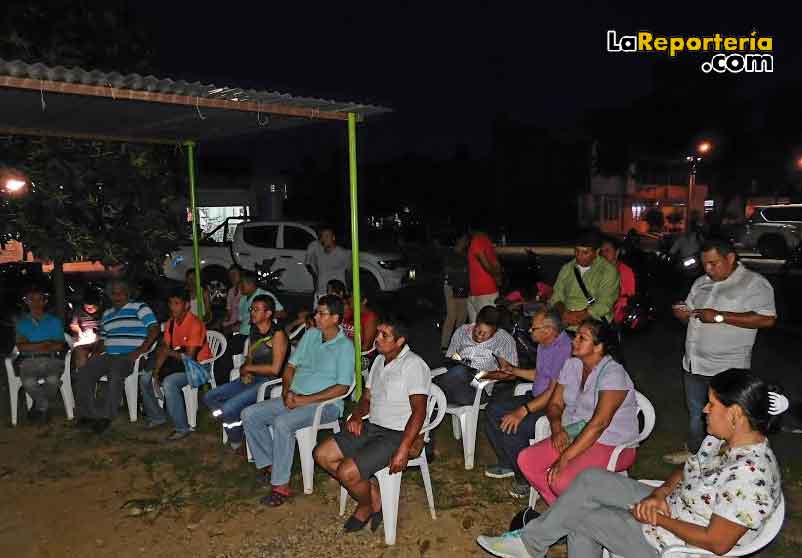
(306,437)
(390,485)
(768,532)
(131,383)
(543,431)
(217,344)
(15,383)
(465,418)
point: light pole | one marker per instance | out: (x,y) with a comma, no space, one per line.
(702,149)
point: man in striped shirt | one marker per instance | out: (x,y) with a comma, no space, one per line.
(127,331)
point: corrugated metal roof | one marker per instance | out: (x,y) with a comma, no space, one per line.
(59,100)
(152,84)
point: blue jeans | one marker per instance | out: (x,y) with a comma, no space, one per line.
(173,400)
(231,399)
(696,399)
(277,448)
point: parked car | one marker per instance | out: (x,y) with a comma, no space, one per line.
(284,242)
(773,230)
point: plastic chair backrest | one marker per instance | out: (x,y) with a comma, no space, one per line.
(217,344)
(647,409)
(437,399)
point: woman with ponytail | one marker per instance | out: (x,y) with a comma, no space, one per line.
(718,500)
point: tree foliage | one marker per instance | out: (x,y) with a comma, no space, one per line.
(114,203)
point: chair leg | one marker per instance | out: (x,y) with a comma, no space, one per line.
(468,423)
(66,393)
(225,436)
(534,496)
(455,425)
(28,400)
(14,385)
(427,483)
(191,405)
(131,395)
(343,500)
(305,447)
(390,488)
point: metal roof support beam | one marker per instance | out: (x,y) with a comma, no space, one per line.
(357,298)
(193,190)
(170,99)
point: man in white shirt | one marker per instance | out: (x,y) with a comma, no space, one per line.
(326,261)
(395,395)
(723,311)
(475,348)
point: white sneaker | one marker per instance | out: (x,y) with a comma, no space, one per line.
(506,545)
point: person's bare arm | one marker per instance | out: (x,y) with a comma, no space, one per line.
(287,376)
(747,320)
(297,400)
(153,334)
(369,335)
(413,427)
(511,421)
(355,421)
(280,344)
(719,536)
(25,346)
(162,353)
(527,374)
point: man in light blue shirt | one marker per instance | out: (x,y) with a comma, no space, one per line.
(320,369)
(40,342)
(249,290)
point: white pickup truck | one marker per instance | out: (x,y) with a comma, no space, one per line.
(248,243)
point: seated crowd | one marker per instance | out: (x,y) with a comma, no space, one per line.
(578,386)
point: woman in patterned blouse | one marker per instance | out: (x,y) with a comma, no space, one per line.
(717,501)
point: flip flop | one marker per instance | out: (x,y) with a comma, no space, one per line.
(376,520)
(353,524)
(277,497)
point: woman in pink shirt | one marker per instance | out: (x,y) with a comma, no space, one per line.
(610,251)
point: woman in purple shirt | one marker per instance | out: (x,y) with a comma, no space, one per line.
(592,410)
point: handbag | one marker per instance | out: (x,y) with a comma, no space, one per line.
(197,374)
(575,428)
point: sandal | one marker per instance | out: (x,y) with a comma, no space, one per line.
(278,496)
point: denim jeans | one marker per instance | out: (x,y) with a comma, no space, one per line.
(32,370)
(277,448)
(508,446)
(173,399)
(695,399)
(231,399)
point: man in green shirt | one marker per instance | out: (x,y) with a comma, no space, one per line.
(600,278)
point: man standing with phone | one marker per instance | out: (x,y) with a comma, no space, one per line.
(723,311)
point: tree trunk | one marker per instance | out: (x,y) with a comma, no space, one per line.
(58,288)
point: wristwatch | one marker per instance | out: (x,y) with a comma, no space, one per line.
(718,318)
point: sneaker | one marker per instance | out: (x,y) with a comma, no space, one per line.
(176,436)
(520,490)
(677,457)
(506,545)
(499,472)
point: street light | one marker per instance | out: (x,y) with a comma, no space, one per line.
(12,181)
(702,149)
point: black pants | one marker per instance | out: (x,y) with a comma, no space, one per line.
(508,446)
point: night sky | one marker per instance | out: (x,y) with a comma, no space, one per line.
(449,69)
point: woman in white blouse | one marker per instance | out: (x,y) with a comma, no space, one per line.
(720,498)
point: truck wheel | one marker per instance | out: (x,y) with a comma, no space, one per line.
(217,280)
(772,246)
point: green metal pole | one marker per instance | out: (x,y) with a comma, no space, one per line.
(355,252)
(195,237)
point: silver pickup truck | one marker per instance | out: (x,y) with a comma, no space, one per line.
(251,242)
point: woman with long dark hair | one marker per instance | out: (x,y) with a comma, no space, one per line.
(718,500)
(592,410)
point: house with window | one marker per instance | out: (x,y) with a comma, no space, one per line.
(616,204)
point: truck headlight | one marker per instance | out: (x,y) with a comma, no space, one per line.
(390,264)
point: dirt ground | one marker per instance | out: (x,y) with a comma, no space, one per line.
(68,493)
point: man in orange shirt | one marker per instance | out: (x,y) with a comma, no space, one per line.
(484,274)
(184,334)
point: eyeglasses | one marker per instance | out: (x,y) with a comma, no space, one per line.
(535,328)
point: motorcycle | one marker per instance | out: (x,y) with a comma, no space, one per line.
(268,278)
